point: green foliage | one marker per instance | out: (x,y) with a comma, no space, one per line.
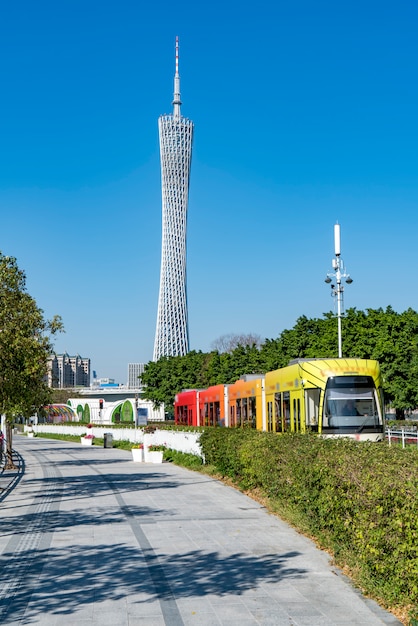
(25,345)
(61,437)
(190,461)
(358,499)
(164,378)
(61,396)
(221,448)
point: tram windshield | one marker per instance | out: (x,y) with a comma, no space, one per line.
(351,403)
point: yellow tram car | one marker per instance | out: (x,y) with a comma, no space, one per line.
(333,397)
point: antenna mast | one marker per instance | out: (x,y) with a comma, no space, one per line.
(337,289)
(177,100)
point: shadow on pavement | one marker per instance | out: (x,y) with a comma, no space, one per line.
(93,485)
(102,573)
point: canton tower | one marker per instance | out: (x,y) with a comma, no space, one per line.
(176,137)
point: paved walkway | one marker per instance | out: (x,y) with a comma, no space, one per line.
(89,537)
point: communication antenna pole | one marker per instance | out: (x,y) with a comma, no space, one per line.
(337,288)
(177,99)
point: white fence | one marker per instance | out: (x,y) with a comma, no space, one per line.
(180,441)
(404,437)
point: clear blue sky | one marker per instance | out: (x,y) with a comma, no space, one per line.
(306,113)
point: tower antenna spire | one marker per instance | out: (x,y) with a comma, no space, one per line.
(177,100)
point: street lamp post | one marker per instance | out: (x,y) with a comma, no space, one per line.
(337,288)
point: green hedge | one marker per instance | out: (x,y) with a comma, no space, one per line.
(358,499)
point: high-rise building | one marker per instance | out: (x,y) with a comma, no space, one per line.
(134,372)
(176,138)
(68,371)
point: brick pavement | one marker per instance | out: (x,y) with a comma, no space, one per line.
(89,537)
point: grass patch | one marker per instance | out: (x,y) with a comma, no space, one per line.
(184,459)
(72,438)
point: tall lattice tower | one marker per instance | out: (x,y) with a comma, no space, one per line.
(176,138)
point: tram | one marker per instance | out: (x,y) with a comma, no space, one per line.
(332,397)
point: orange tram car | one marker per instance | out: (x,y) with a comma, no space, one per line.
(333,397)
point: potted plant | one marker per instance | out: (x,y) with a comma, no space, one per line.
(87,438)
(155,453)
(138,453)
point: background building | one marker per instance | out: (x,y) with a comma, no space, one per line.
(176,137)
(134,371)
(68,371)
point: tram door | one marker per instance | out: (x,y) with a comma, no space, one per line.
(286,410)
(282,411)
(232,421)
(278,426)
(296,414)
(312,397)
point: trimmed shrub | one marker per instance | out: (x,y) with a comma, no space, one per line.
(358,499)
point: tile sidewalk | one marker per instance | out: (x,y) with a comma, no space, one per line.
(89,537)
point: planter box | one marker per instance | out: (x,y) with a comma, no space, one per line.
(31,434)
(137,455)
(155,456)
(86,442)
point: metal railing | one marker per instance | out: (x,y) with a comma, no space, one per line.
(404,437)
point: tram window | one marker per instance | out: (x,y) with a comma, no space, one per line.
(218,413)
(244,419)
(253,412)
(296,414)
(354,406)
(350,382)
(312,397)
(286,410)
(270,416)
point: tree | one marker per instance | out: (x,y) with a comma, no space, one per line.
(228,343)
(164,378)
(61,396)
(25,345)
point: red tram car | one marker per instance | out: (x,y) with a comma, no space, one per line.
(186,408)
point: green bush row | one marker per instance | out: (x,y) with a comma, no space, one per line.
(358,499)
